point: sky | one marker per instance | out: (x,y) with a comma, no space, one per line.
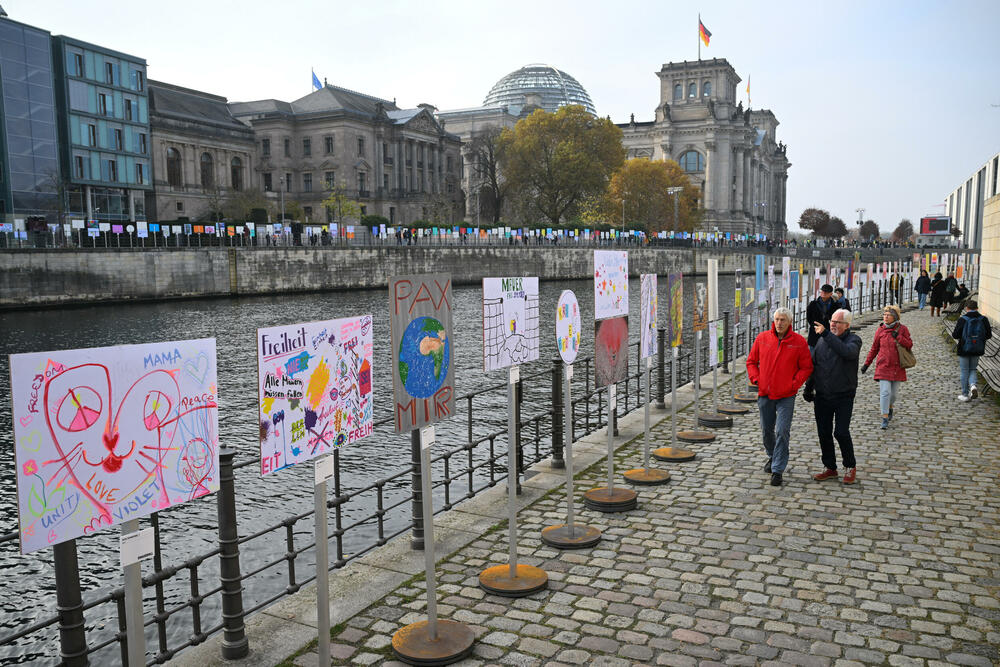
(884,105)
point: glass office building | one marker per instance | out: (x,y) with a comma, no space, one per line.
(103,106)
(28,137)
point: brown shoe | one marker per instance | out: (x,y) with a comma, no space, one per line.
(826,474)
(851,476)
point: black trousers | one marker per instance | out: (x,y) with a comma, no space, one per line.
(833,420)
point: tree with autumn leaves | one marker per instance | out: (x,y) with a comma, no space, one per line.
(643,185)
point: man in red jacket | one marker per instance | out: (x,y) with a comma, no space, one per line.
(779,364)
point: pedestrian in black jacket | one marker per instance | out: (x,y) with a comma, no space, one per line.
(971,331)
(832,388)
(922,287)
(819,310)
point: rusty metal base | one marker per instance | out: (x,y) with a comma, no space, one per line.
(745,398)
(527,579)
(618,499)
(675,455)
(695,435)
(714,420)
(412,644)
(733,409)
(646,476)
(580,537)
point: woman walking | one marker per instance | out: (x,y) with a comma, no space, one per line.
(923,288)
(888,371)
(937,294)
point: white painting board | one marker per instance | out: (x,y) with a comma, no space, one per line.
(110,434)
(610,284)
(647,315)
(510,322)
(713,289)
(568,326)
(314,389)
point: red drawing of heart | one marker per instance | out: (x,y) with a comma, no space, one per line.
(94,444)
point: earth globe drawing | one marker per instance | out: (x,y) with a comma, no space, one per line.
(424,353)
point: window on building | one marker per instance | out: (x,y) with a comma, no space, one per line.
(385,181)
(307,182)
(265,147)
(361,146)
(78,64)
(692,161)
(140,174)
(268,183)
(362,181)
(180,207)
(140,81)
(119,140)
(109,73)
(78,166)
(102,104)
(392,215)
(128,109)
(92,135)
(307,147)
(329,178)
(706,89)
(288,148)
(450,162)
(207,171)
(308,210)
(692,90)
(113,171)
(142,143)
(288,182)
(173,167)
(328,144)
(678,92)
(236,173)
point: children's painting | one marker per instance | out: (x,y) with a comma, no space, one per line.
(647,315)
(675,308)
(423,375)
(110,434)
(700,307)
(611,350)
(610,283)
(568,326)
(713,289)
(713,343)
(314,389)
(510,322)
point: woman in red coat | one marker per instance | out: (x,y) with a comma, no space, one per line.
(888,372)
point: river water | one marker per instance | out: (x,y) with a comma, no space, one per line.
(28,591)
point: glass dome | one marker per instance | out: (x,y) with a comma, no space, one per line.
(555,88)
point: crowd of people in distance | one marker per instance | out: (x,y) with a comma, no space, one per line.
(825,366)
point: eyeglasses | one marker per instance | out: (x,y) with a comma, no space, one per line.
(837,322)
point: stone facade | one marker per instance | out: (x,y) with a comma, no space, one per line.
(201,153)
(732,154)
(966,202)
(398,163)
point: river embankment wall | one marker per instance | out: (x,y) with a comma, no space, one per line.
(39,278)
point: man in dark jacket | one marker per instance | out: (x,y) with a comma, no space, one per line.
(778,364)
(833,385)
(819,310)
(971,331)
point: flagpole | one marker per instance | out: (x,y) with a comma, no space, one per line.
(699,35)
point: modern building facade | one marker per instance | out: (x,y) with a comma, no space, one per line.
(965,204)
(104,135)
(29,159)
(201,154)
(730,152)
(397,163)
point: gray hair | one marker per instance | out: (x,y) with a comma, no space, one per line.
(845,314)
(782,311)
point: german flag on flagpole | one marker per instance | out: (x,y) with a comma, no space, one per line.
(703,32)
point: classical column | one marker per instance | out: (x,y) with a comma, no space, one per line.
(738,194)
(711,198)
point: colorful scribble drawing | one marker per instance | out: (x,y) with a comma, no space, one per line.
(315,388)
(648,315)
(610,283)
(106,435)
(568,326)
(675,295)
(510,322)
(700,307)
(611,350)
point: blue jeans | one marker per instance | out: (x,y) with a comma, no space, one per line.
(887,392)
(967,366)
(775,425)
(922,299)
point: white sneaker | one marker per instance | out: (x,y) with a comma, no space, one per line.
(973,392)
(963,398)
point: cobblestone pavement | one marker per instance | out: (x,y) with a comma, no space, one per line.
(718,567)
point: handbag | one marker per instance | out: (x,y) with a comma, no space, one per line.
(906,358)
